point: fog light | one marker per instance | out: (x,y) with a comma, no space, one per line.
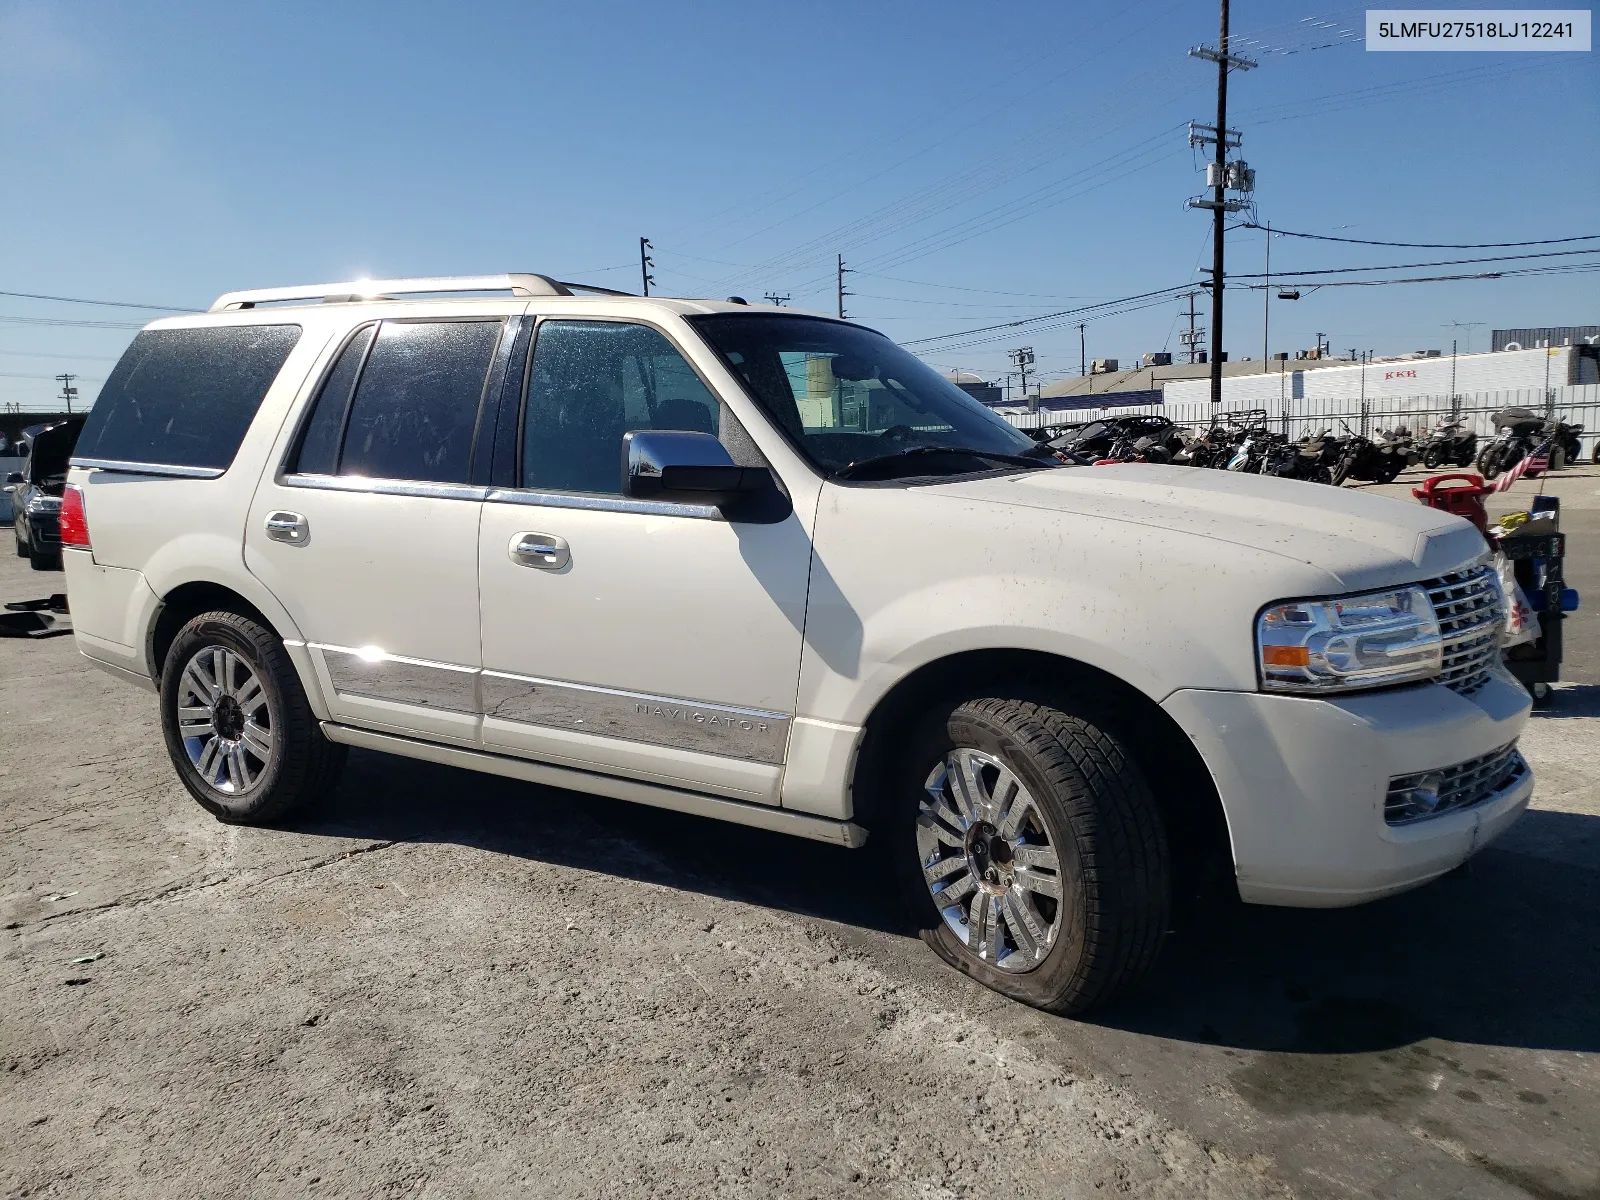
(1423,798)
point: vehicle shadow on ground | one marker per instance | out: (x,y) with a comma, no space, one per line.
(389,798)
(1504,952)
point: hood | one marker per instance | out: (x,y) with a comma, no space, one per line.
(1364,541)
(52,447)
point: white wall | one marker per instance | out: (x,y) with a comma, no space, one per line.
(1506,370)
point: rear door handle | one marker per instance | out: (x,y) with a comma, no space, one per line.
(289,527)
(544,551)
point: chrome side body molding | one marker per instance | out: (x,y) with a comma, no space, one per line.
(750,734)
(745,733)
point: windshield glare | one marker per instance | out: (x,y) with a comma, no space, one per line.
(845,394)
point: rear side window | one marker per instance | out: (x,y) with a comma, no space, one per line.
(416,407)
(186,397)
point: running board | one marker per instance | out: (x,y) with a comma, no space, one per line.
(820,829)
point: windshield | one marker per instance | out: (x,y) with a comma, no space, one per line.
(846,395)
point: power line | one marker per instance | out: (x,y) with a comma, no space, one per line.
(1066,312)
(1323,237)
(1557,269)
(21,375)
(70,324)
(102,303)
(1448,262)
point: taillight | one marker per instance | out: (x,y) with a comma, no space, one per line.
(74,525)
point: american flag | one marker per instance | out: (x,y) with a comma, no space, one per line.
(1536,462)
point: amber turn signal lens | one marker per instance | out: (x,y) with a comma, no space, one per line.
(1285,656)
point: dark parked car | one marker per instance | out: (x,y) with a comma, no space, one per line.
(36,492)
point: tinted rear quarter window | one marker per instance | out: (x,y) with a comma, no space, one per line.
(186,397)
(319,444)
(416,407)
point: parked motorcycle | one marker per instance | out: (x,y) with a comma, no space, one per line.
(1115,437)
(1378,459)
(1318,456)
(1212,448)
(1451,443)
(1521,431)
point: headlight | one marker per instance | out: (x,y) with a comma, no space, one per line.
(1350,642)
(43,504)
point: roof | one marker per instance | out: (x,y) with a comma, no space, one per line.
(1145,379)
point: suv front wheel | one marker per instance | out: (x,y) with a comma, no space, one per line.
(1031,853)
(238,727)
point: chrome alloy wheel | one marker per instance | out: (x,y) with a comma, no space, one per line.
(988,861)
(224,720)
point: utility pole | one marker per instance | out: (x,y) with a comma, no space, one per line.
(1266,306)
(67,390)
(645,263)
(1191,340)
(1083,356)
(1023,357)
(843,271)
(1221,176)
(774,298)
(1455,402)
(1319,345)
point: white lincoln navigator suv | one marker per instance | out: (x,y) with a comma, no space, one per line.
(759,565)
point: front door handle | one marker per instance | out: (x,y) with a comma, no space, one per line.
(542,550)
(289,527)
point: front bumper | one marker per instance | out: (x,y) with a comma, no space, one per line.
(44,528)
(1303,783)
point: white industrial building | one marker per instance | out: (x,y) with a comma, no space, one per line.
(1399,378)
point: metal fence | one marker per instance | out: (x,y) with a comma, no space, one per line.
(1308,415)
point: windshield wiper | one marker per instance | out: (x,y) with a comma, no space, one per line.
(853,470)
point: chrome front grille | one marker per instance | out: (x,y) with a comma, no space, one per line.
(1449,789)
(1468,606)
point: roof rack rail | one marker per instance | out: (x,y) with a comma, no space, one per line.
(518,284)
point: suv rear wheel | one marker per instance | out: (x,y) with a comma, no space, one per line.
(238,727)
(1031,853)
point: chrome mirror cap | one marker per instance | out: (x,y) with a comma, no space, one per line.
(683,465)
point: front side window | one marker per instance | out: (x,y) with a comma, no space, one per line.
(186,397)
(848,396)
(415,408)
(593,381)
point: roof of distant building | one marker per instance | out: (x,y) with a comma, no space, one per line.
(1146,379)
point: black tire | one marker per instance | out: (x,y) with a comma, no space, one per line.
(1102,824)
(1594,453)
(1433,457)
(44,560)
(304,765)
(16,536)
(1489,461)
(1342,471)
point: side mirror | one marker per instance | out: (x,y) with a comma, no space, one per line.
(690,468)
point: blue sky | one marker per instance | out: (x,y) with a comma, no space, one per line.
(977,163)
